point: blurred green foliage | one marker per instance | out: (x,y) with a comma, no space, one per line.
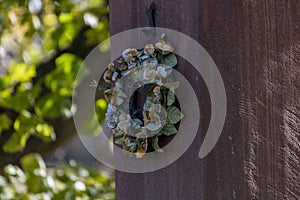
(32,33)
(70,182)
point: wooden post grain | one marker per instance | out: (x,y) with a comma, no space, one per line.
(256,46)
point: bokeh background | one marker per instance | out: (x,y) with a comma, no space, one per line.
(42,46)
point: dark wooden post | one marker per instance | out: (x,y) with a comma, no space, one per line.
(256,46)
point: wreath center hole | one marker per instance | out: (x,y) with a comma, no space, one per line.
(137,101)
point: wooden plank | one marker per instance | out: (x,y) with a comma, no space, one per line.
(256,46)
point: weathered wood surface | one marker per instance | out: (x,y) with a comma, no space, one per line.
(256,46)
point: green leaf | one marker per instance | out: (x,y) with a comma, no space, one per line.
(5,122)
(169,60)
(35,168)
(45,132)
(174,114)
(61,80)
(68,64)
(170,98)
(66,17)
(21,72)
(118,140)
(172,86)
(21,101)
(52,106)
(154,143)
(25,123)
(16,142)
(100,106)
(168,129)
(33,161)
(35,184)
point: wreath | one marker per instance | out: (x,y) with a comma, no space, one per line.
(138,131)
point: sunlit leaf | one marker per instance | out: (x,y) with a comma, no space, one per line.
(21,101)
(22,72)
(100,106)
(13,171)
(16,142)
(61,80)
(50,19)
(66,17)
(35,184)
(2,181)
(72,181)
(51,106)
(5,122)
(35,32)
(45,132)
(25,122)
(68,63)
(31,162)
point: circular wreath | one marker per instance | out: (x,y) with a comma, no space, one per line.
(138,131)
